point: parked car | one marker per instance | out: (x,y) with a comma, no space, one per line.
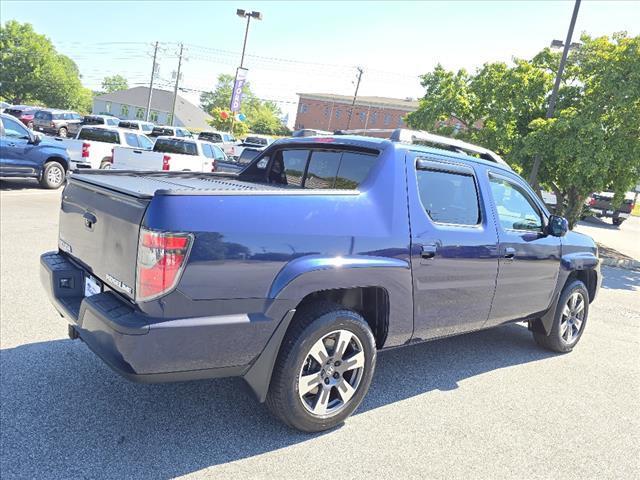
(169,131)
(600,204)
(24,154)
(93,146)
(224,140)
(4,106)
(294,273)
(56,122)
(174,154)
(24,113)
(143,127)
(309,132)
(255,142)
(89,120)
(248,155)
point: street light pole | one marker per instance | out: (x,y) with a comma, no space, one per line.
(533,177)
(244,44)
(355,96)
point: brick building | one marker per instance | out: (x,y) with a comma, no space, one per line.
(323,111)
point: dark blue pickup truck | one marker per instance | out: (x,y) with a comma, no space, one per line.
(294,272)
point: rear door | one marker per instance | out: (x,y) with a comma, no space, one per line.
(529,259)
(453,246)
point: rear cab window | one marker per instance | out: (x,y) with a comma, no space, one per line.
(99,135)
(171,145)
(161,132)
(320,169)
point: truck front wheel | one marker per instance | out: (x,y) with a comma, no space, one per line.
(617,221)
(324,368)
(571,318)
(53,175)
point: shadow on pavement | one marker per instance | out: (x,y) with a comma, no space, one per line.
(65,414)
(620,279)
(20,184)
(598,223)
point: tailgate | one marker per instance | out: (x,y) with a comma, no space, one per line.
(99,227)
(135,159)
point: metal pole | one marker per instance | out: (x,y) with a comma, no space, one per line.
(175,89)
(244,45)
(533,177)
(355,96)
(153,74)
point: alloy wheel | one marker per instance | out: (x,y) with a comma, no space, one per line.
(331,373)
(54,176)
(572,317)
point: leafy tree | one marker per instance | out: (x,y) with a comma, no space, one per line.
(31,71)
(262,116)
(592,144)
(114,83)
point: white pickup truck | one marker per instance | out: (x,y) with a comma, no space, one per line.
(93,145)
(252,142)
(174,154)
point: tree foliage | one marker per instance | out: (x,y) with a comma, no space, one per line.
(591,144)
(262,116)
(114,83)
(31,71)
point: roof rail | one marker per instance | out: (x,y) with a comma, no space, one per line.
(420,137)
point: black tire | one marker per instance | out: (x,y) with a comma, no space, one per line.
(105,165)
(556,340)
(310,326)
(62,132)
(617,221)
(53,175)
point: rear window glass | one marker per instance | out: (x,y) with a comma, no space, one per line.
(247,156)
(256,141)
(88,120)
(130,125)
(210,136)
(161,132)
(449,197)
(99,135)
(43,116)
(168,145)
(324,170)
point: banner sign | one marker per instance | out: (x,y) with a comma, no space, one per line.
(236,97)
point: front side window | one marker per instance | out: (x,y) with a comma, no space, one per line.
(449,197)
(145,142)
(218,154)
(516,210)
(13,129)
(131,139)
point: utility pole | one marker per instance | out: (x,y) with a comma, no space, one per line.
(175,89)
(533,177)
(355,96)
(153,74)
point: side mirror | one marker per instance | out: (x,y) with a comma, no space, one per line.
(34,139)
(557,226)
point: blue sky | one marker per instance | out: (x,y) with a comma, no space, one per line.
(308,46)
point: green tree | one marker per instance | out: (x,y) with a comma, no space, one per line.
(262,116)
(31,71)
(114,83)
(592,143)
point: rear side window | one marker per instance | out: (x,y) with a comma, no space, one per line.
(449,197)
(145,142)
(131,139)
(99,135)
(58,116)
(42,116)
(168,145)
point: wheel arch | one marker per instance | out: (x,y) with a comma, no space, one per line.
(62,161)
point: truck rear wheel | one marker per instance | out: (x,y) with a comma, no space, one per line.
(324,368)
(617,221)
(570,320)
(53,175)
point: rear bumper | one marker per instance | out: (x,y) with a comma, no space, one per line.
(146,349)
(609,213)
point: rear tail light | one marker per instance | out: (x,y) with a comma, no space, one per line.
(161,260)
(592,201)
(53,125)
(213,165)
(165,162)
(85,150)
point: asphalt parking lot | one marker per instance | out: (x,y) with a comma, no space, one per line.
(484,405)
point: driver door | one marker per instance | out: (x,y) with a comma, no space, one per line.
(14,147)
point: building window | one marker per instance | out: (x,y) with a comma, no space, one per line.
(374,118)
(124,110)
(338,114)
(387,119)
(326,111)
(304,108)
(363,117)
(107,107)
(169,119)
(399,121)
(153,116)
(140,113)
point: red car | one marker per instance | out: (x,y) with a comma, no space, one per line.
(24,113)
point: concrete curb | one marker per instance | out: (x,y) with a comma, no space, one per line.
(628,264)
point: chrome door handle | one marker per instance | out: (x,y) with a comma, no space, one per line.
(428,251)
(509,253)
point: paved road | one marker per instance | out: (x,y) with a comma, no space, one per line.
(484,405)
(625,238)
